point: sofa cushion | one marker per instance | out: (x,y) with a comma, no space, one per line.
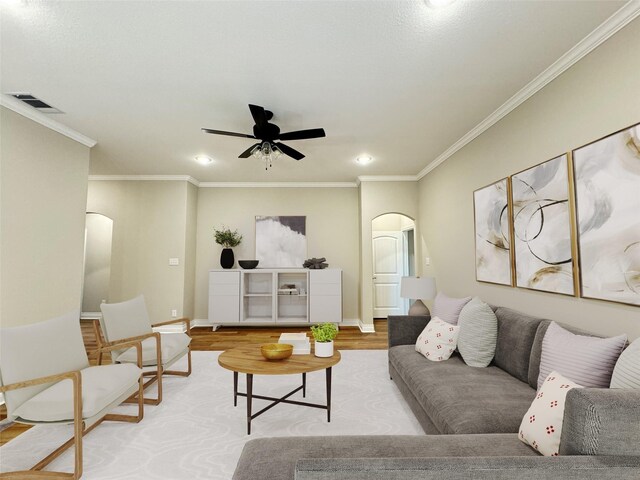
(626,373)
(171,344)
(516,333)
(438,340)
(101,386)
(264,458)
(478,333)
(448,308)
(583,359)
(541,426)
(459,399)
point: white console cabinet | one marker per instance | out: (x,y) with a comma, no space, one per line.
(275,296)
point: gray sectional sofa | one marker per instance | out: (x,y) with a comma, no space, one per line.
(471,416)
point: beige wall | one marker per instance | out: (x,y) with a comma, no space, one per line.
(377,198)
(332,230)
(150,225)
(597,96)
(190,251)
(43,191)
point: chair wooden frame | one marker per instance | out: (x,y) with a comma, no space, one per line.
(156,375)
(79,427)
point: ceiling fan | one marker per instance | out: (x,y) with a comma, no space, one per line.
(268,133)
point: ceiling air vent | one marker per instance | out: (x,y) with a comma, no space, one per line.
(35,103)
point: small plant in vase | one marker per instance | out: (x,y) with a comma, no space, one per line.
(228,240)
(323,334)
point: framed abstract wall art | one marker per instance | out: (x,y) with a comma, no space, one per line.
(607,184)
(492,233)
(281,242)
(542,233)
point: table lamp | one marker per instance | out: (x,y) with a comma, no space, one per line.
(418,288)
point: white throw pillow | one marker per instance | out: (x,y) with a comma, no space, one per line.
(438,340)
(541,426)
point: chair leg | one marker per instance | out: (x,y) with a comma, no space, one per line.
(157,377)
(179,373)
(78,432)
(140,400)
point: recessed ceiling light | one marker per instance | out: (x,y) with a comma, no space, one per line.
(203,159)
(364,159)
(439,3)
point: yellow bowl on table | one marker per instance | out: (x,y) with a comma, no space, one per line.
(276,351)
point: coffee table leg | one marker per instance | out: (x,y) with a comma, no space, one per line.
(235,389)
(329,394)
(249,398)
(304,385)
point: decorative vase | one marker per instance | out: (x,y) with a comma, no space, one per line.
(324,349)
(226,258)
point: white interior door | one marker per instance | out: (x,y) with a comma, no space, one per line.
(387,271)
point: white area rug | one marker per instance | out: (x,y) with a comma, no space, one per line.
(196,433)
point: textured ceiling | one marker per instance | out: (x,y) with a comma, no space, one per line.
(394,79)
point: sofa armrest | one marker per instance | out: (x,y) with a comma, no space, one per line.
(477,468)
(601,421)
(405,329)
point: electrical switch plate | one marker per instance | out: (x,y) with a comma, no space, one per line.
(174,262)
(427,261)
(174,313)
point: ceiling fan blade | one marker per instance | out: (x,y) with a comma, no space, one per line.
(247,152)
(289,151)
(259,115)
(230,134)
(303,134)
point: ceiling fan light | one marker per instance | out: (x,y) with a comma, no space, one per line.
(203,159)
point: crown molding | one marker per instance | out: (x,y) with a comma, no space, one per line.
(197,183)
(602,33)
(278,184)
(142,178)
(387,178)
(45,120)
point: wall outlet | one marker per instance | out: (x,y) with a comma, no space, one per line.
(427,261)
(174,313)
(174,262)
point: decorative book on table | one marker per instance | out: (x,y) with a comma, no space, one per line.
(300,342)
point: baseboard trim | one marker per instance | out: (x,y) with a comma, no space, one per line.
(200,322)
(350,322)
(366,327)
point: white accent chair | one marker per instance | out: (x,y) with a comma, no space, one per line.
(46,379)
(121,321)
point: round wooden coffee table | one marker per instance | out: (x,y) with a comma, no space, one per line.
(248,359)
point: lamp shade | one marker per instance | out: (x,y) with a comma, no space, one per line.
(423,288)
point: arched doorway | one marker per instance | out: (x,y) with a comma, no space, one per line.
(393,246)
(97,263)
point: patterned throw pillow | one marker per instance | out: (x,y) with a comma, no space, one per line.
(586,360)
(448,308)
(438,340)
(478,333)
(541,426)
(626,374)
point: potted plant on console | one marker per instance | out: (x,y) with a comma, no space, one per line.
(323,334)
(228,240)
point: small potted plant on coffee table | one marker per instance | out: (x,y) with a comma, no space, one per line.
(227,239)
(323,334)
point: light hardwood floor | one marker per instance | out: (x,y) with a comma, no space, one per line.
(203,339)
